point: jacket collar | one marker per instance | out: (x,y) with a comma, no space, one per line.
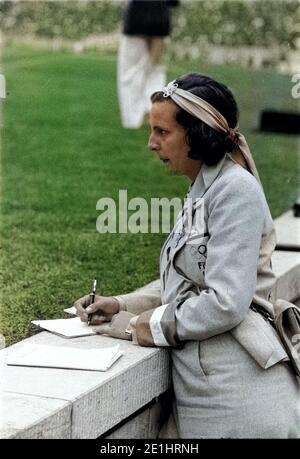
(203,181)
(205,178)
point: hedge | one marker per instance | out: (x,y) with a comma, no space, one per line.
(231,23)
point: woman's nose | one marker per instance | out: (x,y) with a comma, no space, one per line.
(152,145)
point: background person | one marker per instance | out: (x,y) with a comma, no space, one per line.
(231,374)
(140,68)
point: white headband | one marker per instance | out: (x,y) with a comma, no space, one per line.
(212,117)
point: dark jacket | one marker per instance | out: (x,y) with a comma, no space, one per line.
(148,17)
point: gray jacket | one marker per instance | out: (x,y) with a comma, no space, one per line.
(209,278)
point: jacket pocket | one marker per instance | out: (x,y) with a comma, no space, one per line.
(187,361)
(204,371)
(190,260)
(260,339)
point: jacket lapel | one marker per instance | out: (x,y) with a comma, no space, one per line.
(207,175)
(203,182)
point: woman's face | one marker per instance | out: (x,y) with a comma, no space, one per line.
(167,139)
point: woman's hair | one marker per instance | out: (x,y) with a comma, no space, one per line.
(205,143)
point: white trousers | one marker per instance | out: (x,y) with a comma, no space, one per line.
(138,78)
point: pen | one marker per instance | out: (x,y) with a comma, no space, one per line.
(92,298)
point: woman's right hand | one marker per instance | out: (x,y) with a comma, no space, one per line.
(102,310)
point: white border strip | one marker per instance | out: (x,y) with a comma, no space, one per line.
(155,326)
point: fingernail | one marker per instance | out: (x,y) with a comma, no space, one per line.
(88,310)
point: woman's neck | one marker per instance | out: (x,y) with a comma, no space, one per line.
(238,157)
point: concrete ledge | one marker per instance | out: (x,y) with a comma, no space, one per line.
(286,266)
(288,229)
(28,416)
(143,425)
(98,400)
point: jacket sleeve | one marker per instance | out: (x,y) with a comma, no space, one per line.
(236,213)
(142,299)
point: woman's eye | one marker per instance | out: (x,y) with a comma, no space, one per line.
(162,131)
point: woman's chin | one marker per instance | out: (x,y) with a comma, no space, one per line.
(171,171)
(169,168)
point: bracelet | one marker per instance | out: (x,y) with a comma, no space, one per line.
(128,332)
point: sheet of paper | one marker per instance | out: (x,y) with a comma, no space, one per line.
(41,355)
(71,310)
(69,328)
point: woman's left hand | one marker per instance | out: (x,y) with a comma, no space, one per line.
(117,326)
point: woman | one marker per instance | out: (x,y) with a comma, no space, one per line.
(140,67)
(231,375)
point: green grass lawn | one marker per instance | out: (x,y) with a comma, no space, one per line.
(63,148)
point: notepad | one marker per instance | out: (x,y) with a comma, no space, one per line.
(72,311)
(69,328)
(42,355)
